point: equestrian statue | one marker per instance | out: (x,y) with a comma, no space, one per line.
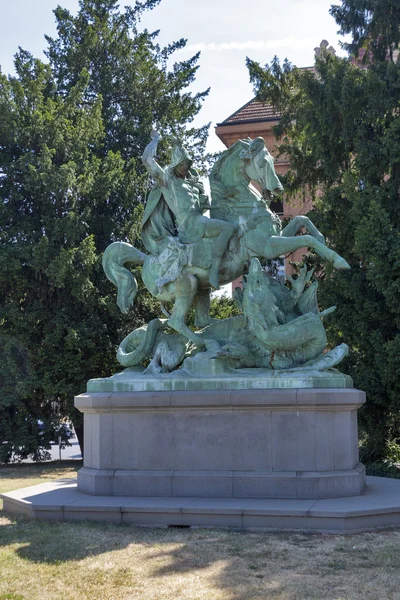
(190,253)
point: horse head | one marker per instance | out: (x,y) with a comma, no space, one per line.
(245,161)
(259,166)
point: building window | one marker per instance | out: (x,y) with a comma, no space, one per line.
(276,206)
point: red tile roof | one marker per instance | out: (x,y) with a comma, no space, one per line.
(252,112)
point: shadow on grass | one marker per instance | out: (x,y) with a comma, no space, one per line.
(290,566)
(56,542)
(241,564)
(236,562)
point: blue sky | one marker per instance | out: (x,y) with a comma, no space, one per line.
(226,31)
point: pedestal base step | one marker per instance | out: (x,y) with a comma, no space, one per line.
(223,484)
(378,507)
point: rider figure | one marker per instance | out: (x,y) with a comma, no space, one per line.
(184,194)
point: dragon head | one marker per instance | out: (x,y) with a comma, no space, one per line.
(258,299)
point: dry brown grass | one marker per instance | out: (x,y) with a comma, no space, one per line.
(50,561)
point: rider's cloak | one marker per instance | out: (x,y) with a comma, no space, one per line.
(158,223)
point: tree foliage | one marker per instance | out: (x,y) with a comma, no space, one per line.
(373,25)
(340,128)
(71,181)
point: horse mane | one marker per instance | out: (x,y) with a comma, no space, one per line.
(223,194)
(232,151)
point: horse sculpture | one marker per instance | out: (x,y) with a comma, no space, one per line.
(180,272)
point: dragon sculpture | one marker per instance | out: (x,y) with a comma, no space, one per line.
(280,328)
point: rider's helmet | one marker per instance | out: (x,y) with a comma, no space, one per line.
(179,155)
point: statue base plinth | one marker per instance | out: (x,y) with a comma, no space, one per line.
(227,443)
(216,375)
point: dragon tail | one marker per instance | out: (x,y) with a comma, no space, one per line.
(138,345)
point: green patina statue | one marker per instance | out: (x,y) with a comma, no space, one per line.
(181,194)
(280,328)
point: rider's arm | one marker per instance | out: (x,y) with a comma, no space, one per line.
(149,161)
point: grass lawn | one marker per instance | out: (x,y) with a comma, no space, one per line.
(70,561)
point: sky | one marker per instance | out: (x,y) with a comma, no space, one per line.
(225,31)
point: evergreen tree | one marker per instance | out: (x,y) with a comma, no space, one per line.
(340,128)
(71,182)
(129,70)
(373,25)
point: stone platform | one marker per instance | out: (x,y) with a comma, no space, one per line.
(377,507)
(208,375)
(236,443)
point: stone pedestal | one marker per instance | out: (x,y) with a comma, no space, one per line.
(255,443)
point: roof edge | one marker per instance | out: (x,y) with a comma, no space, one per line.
(248,121)
(239,109)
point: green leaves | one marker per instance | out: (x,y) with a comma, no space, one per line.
(373,25)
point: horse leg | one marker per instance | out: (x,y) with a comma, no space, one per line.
(302,221)
(202,308)
(278,245)
(222,231)
(185,288)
